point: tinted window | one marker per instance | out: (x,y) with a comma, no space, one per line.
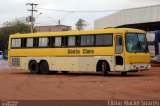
(71,41)
(106,40)
(87,40)
(43,42)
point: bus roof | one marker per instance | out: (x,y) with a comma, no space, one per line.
(84,32)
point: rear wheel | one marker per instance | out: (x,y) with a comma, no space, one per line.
(105,68)
(34,67)
(44,68)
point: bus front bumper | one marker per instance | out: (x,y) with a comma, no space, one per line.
(138,67)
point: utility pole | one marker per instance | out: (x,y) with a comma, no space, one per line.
(32,17)
(59,24)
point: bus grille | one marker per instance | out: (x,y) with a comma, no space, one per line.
(16,62)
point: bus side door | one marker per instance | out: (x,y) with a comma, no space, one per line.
(119,54)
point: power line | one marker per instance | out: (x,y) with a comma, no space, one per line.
(78,11)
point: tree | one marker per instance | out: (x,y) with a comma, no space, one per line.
(3,42)
(81,24)
(18,25)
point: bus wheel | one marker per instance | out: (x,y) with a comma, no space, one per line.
(105,68)
(34,67)
(44,68)
(65,72)
(123,73)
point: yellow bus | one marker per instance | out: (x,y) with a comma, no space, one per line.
(108,50)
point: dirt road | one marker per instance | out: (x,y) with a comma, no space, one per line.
(21,85)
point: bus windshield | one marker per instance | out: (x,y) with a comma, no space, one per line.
(136,43)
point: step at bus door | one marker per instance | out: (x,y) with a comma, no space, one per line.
(119,53)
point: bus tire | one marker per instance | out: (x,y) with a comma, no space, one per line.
(44,68)
(34,67)
(105,68)
(123,73)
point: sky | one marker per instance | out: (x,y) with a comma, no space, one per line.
(11,9)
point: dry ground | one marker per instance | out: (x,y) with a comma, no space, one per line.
(21,85)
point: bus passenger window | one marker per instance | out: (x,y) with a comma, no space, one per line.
(104,40)
(58,41)
(71,41)
(29,42)
(43,42)
(13,43)
(16,43)
(87,40)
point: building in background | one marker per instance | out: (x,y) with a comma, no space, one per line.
(145,18)
(55,28)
